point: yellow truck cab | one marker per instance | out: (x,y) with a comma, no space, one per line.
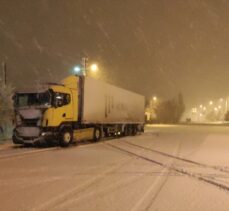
(78,108)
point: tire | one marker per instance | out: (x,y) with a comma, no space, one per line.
(142,129)
(126,131)
(15,140)
(97,134)
(134,130)
(106,132)
(66,137)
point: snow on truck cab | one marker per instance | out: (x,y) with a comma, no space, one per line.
(80,108)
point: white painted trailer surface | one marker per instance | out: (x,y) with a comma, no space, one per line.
(106,103)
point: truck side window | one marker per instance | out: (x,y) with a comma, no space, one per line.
(62,99)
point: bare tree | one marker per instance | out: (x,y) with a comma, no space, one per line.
(6,110)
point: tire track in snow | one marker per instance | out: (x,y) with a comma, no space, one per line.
(160,181)
(178,170)
(26,153)
(61,198)
(222,169)
(120,184)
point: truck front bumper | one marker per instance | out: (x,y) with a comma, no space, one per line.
(45,137)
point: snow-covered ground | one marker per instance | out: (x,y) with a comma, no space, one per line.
(166,168)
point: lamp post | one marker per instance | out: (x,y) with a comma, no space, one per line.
(84,68)
(4,72)
(84,63)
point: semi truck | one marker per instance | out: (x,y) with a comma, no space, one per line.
(78,108)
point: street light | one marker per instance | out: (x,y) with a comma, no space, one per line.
(94,68)
(194,110)
(84,68)
(155,98)
(77,69)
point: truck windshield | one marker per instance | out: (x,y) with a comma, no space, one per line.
(32,99)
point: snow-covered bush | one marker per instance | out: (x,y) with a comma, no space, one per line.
(6,110)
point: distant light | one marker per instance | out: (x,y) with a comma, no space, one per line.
(155,98)
(204,108)
(77,69)
(219,106)
(216,109)
(94,67)
(210,103)
(201,106)
(221,99)
(194,110)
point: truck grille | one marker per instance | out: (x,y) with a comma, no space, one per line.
(30,122)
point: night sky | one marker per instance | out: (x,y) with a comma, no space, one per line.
(153,47)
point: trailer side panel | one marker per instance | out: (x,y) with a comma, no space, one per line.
(105,103)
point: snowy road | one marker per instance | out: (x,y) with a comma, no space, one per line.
(166,168)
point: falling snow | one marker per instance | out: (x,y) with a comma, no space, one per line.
(150,47)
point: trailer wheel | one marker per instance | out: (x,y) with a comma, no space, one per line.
(66,137)
(134,130)
(106,132)
(97,134)
(126,130)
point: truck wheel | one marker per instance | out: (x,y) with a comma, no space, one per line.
(134,130)
(15,140)
(97,134)
(142,129)
(66,137)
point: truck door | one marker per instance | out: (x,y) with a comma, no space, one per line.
(63,111)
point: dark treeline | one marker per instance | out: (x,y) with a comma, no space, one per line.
(170,111)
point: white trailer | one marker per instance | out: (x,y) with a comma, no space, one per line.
(107,104)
